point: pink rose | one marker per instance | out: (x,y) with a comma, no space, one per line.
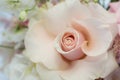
(69,44)
(115,8)
(58,42)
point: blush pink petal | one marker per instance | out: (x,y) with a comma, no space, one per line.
(98,38)
(40,49)
(57,18)
(118,15)
(114,6)
(68,41)
(75,53)
(99,13)
(90,68)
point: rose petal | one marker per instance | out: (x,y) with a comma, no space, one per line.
(98,38)
(57,18)
(87,69)
(99,13)
(105,17)
(40,49)
(90,68)
(114,6)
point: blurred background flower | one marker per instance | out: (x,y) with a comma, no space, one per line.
(16,6)
(12,32)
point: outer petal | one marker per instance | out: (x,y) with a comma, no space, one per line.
(40,48)
(58,17)
(98,38)
(99,13)
(114,6)
(90,68)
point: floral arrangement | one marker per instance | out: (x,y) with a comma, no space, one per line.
(59,40)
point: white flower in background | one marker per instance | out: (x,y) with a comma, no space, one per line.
(8,39)
(8,25)
(3,76)
(16,6)
(21,68)
(6,55)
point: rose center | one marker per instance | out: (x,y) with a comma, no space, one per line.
(68,42)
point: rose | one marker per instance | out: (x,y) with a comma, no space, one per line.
(69,44)
(63,31)
(115,8)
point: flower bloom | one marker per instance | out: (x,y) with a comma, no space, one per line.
(71,42)
(115,8)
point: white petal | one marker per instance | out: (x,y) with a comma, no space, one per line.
(19,68)
(101,14)
(90,68)
(57,18)
(40,48)
(6,55)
